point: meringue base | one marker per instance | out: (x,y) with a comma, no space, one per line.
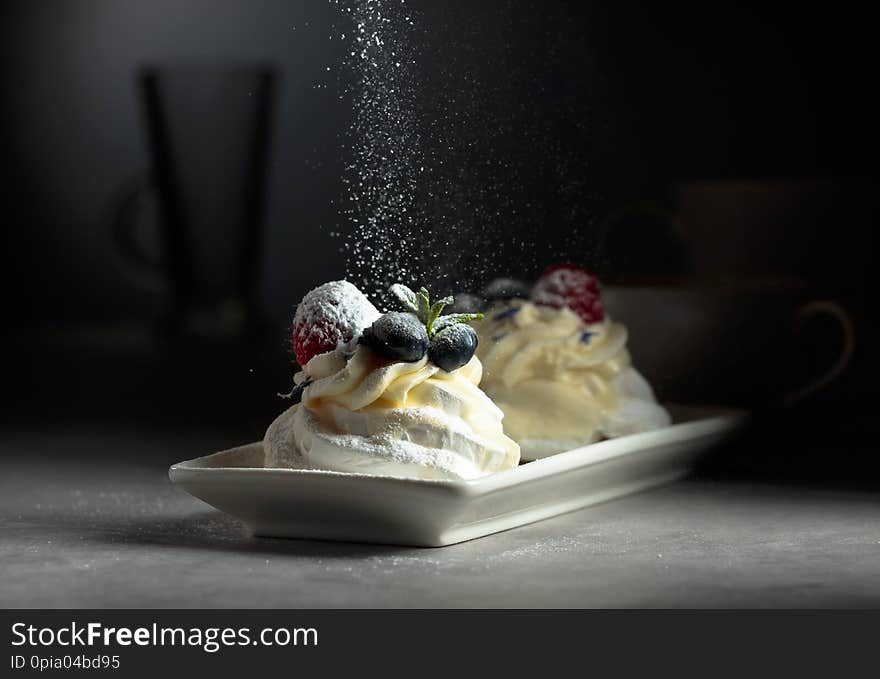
(296,439)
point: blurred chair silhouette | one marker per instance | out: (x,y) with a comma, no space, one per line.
(208,130)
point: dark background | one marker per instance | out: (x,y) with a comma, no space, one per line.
(757,128)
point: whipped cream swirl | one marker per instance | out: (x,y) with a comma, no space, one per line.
(366,415)
(562,383)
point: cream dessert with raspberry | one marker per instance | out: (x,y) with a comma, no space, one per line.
(393,394)
(559,368)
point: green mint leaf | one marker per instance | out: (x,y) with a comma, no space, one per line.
(424,308)
(451,319)
(436,309)
(406,297)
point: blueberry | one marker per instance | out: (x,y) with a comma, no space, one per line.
(507,288)
(397,335)
(453,346)
(507,313)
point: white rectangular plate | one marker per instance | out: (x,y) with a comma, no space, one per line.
(299,503)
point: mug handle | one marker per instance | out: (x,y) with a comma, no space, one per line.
(833,309)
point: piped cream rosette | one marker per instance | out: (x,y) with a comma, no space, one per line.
(562,383)
(368,415)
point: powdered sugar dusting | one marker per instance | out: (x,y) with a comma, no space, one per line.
(402,323)
(565,285)
(330,315)
(548,291)
(340,301)
(453,336)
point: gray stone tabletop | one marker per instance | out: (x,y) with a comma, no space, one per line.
(80,529)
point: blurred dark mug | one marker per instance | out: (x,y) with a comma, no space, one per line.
(735,342)
(208,130)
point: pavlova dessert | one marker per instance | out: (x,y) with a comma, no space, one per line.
(559,368)
(393,394)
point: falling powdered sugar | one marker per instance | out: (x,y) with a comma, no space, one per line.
(443,184)
(385,157)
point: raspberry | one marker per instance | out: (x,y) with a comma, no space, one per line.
(568,285)
(330,315)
